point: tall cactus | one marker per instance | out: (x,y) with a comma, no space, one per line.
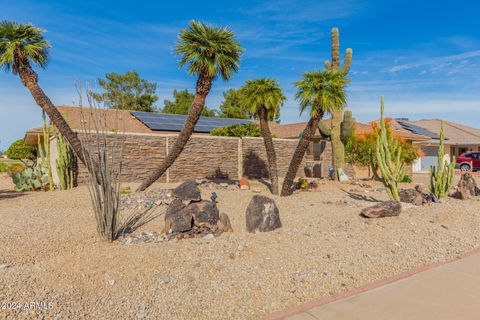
(441,177)
(65,163)
(44,152)
(338,147)
(389,154)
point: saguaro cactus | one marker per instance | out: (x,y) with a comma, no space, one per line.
(44,152)
(338,147)
(346,127)
(389,154)
(441,177)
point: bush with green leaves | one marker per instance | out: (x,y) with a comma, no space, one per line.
(20,151)
(31,179)
(237,130)
(3,167)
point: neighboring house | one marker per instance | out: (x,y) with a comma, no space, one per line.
(458,139)
(319,152)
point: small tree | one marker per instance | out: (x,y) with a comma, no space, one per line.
(182,100)
(127,91)
(389,156)
(441,177)
(237,130)
(20,151)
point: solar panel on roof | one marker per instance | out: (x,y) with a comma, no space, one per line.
(175,122)
(417,130)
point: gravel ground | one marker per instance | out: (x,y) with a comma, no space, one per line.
(50,253)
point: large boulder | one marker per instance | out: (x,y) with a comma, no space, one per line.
(187,192)
(178,218)
(382,209)
(204,213)
(262,215)
(467,187)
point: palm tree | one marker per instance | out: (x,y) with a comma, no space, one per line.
(209,51)
(22,45)
(320,92)
(264,97)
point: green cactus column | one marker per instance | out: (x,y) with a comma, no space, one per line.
(389,155)
(441,177)
(44,152)
(338,147)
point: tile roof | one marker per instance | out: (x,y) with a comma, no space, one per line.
(455,133)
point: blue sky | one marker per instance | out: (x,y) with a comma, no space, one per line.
(424,56)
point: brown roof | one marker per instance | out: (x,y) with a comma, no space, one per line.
(401,132)
(293,130)
(121,120)
(455,133)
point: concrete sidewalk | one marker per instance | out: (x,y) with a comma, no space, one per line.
(449,291)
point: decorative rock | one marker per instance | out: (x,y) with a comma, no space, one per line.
(411,196)
(262,215)
(5,266)
(382,209)
(187,191)
(244,184)
(308,170)
(224,223)
(467,187)
(204,212)
(209,237)
(178,218)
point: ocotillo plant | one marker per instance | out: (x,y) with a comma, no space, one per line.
(346,127)
(338,147)
(389,154)
(64,163)
(441,177)
(44,151)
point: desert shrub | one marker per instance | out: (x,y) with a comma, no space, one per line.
(20,151)
(361,149)
(3,167)
(302,183)
(15,168)
(406,179)
(237,130)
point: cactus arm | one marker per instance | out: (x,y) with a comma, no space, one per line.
(347,61)
(328,65)
(347,125)
(324,129)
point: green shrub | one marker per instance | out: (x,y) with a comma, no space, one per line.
(20,151)
(406,179)
(3,167)
(15,168)
(237,130)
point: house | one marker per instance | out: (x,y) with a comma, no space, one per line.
(458,139)
(148,137)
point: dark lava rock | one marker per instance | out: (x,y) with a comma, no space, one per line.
(224,223)
(262,215)
(467,187)
(204,212)
(187,191)
(178,218)
(382,209)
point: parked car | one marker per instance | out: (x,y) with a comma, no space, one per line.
(469,161)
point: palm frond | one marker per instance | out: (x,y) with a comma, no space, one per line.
(262,93)
(208,49)
(321,91)
(22,42)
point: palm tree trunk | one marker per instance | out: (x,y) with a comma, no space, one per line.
(270,149)
(30,79)
(307,135)
(204,84)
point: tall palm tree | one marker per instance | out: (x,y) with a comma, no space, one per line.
(21,46)
(264,97)
(319,92)
(209,51)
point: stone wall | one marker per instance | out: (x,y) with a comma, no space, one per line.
(203,157)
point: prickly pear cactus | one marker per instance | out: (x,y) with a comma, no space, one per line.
(31,179)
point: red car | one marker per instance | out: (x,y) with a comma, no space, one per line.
(469,161)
